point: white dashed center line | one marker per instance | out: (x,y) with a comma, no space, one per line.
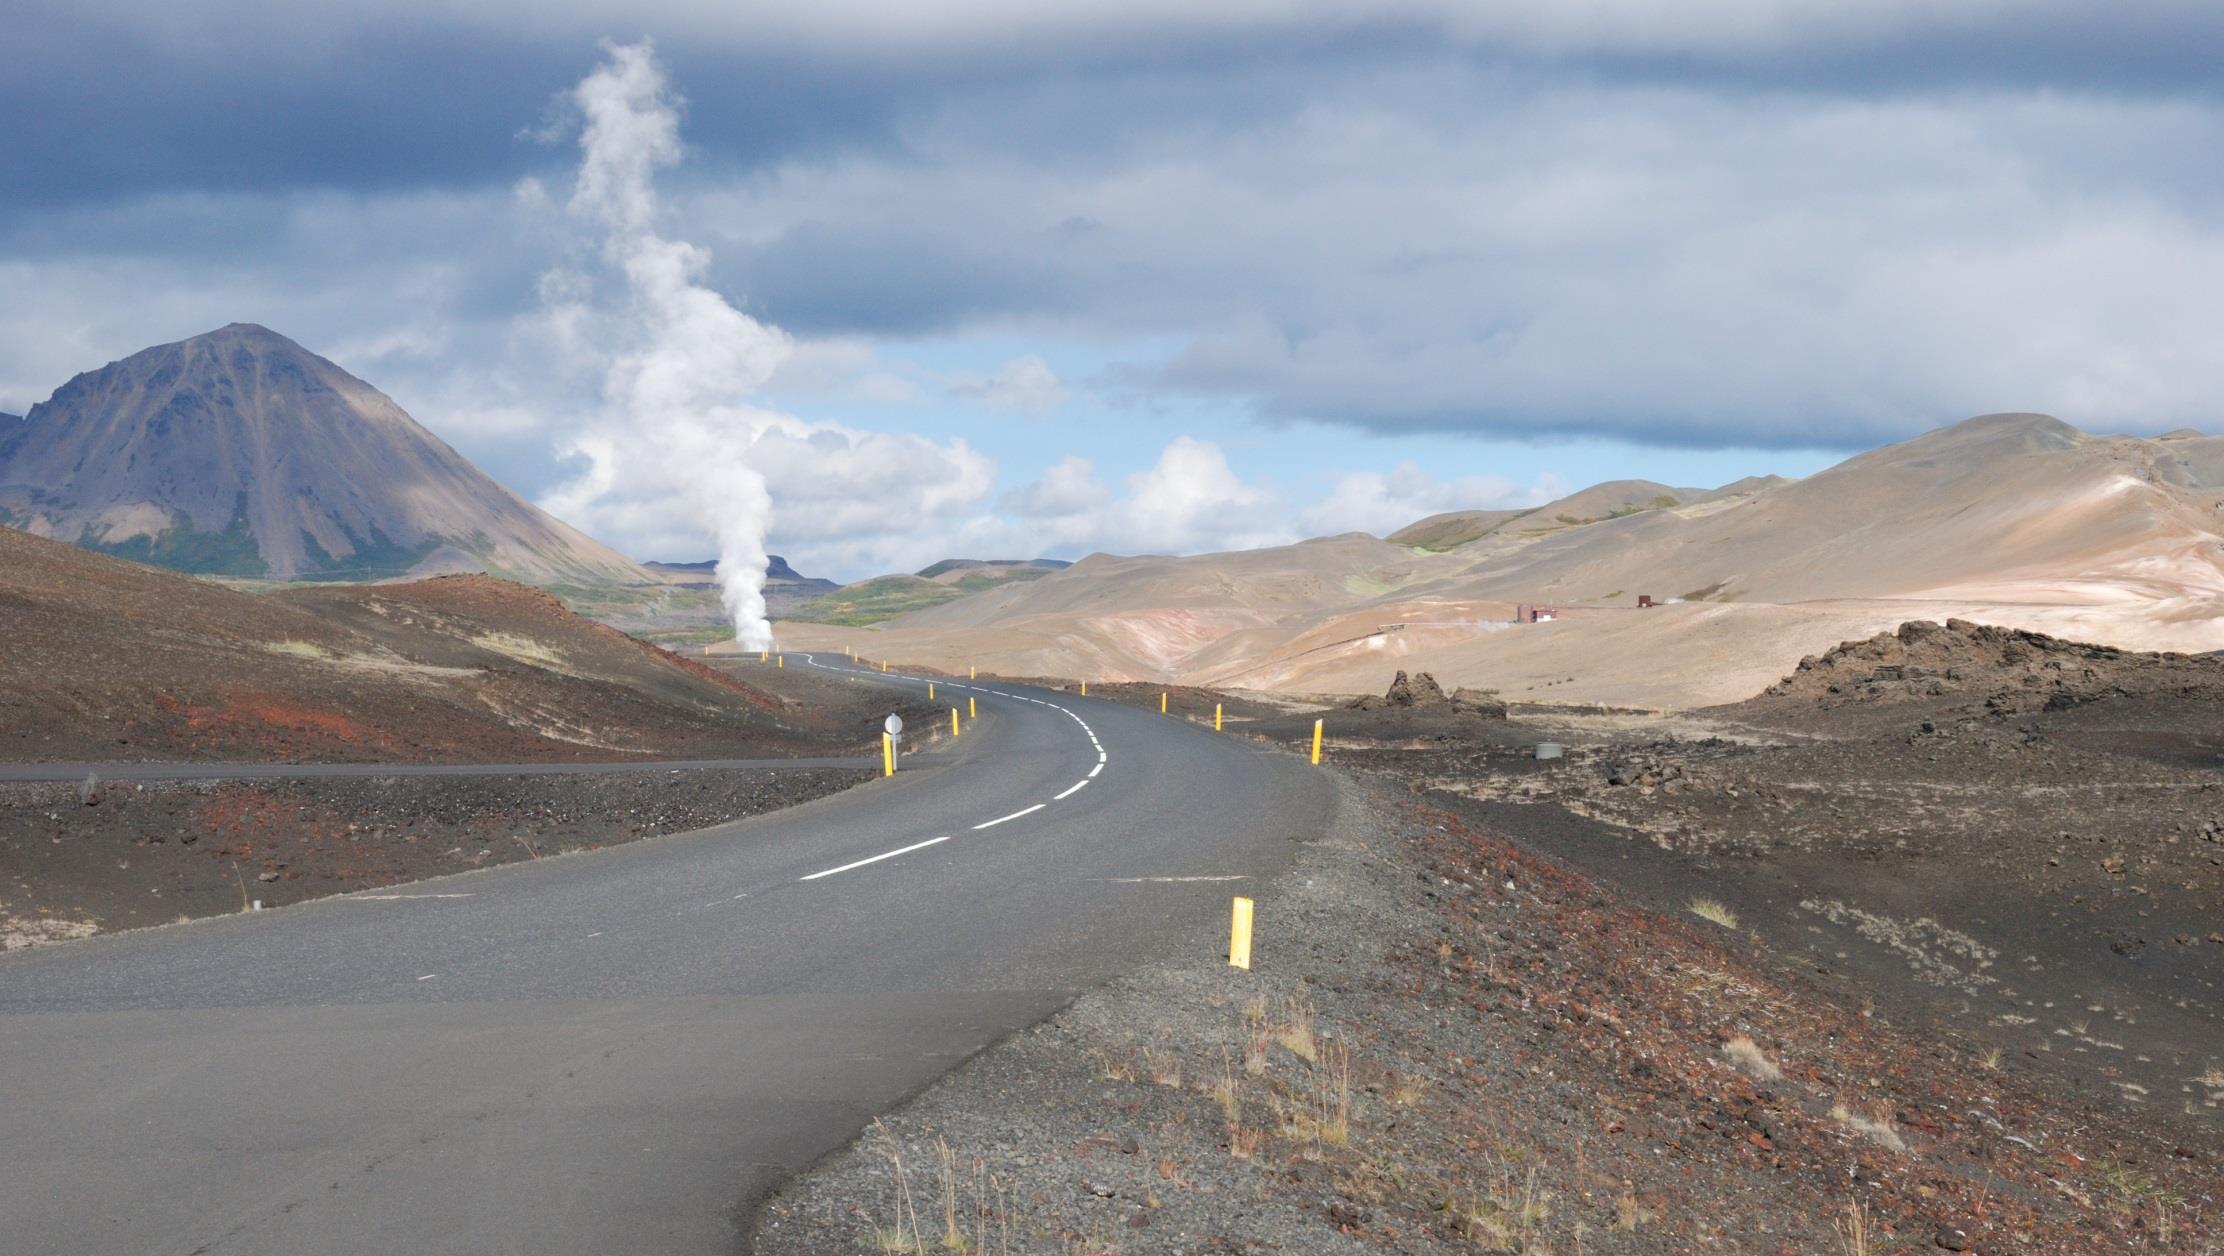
(1094,744)
(877,858)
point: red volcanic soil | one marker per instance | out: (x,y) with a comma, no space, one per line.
(108,660)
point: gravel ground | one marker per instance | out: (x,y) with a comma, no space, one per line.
(1450,1043)
(134,854)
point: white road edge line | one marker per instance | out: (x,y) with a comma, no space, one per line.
(389,898)
(1071,790)
(1098,768)
(1013,816)
(877,858)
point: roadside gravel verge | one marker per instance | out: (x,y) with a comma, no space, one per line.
(1452,1044)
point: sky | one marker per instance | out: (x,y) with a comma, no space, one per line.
(1020,279)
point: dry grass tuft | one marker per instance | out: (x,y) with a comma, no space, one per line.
(1877,1128)
(1165,1067)
(1260,1037)
(1227,1092)
(1629,1214)
(1750,1060)
(1322,1115)
(1508,1217)
(1296,1033)
(1245,1143)
(1853,1232)
(1716,910)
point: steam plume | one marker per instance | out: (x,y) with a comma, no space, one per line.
(675,388)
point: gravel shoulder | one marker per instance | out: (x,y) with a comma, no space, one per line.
(95,856)
(157,852)
(1451,1042)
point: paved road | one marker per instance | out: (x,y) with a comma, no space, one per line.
(617,1052)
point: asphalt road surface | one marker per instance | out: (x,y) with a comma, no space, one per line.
(617,1052)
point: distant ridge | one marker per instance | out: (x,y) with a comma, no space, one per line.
(785,588)
(777,571)
(950,580)
(240,453)
(948,565)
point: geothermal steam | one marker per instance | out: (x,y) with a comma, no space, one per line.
(675,388)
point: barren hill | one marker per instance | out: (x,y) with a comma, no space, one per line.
(1453,528)
(886,597)
(241,453)
(1612,500)
(108,659)
(2012,519)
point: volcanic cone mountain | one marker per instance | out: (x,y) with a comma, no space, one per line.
(241,453)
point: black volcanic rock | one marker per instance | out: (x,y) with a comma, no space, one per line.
(239,452)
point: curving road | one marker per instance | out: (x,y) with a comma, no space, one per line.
(622,1051)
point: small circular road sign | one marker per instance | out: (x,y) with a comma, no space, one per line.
(894,725)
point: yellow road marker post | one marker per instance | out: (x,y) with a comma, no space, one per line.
(1317,741)
(1239,935)
(972,712)
(930,691)
(972,673)
(887,755)
(1162,704)
(884,667)
(782,661)
(1216,717)
(953,721)
(764,656)
(1084,688)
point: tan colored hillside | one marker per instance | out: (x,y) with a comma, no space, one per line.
(2015,519)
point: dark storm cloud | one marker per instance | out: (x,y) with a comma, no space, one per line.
(96,114)
(1727,222)
(104,100)
(819,280)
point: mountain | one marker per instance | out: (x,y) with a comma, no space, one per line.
(886,597)
(1611,500)
(785,588)
(241,453)
(953,570)
(1750,485)
(778,575)
(2001,505)
(1453,528)
(2013,519)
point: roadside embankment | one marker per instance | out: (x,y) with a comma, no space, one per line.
(1451,1043)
